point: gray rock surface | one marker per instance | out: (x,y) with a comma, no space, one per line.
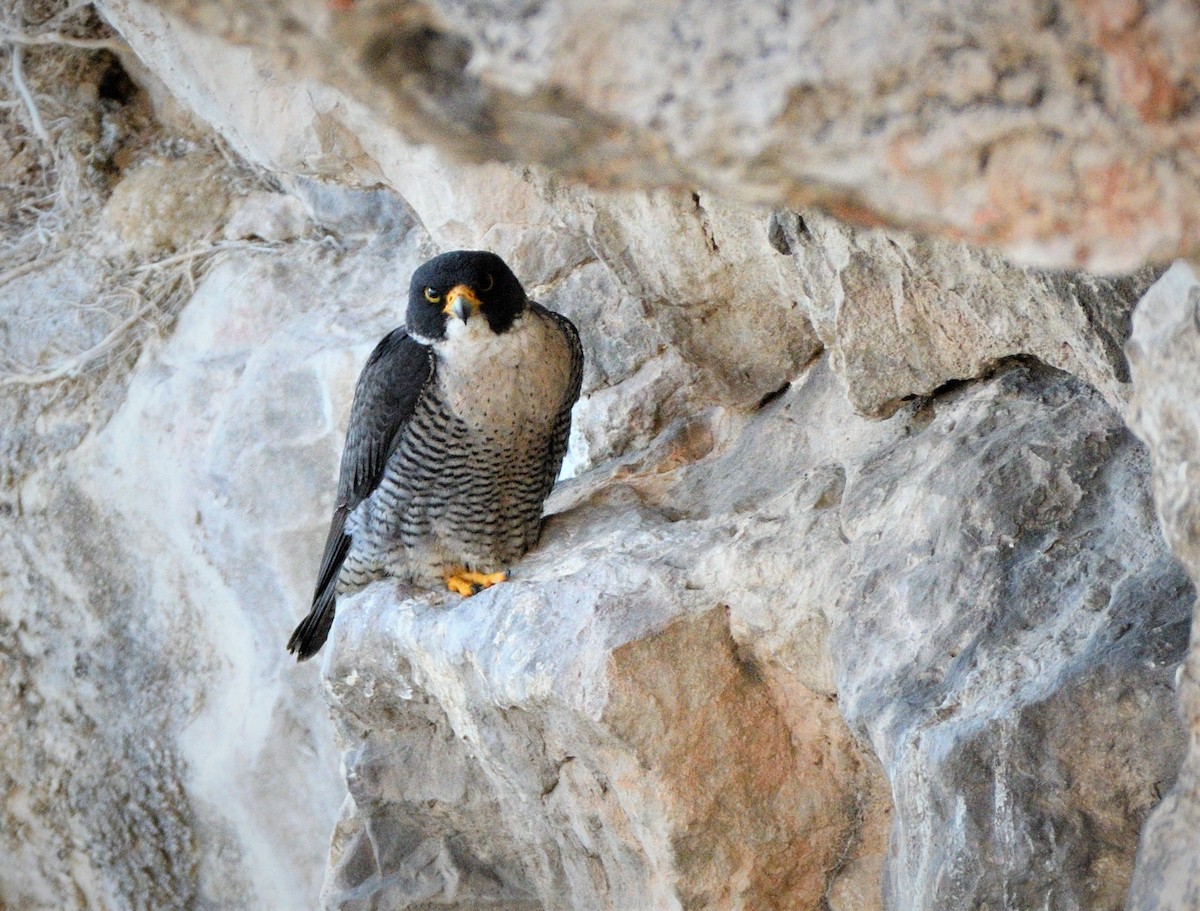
(855,596)
(1003,619)
(1164,352)
(168,755)
(1007,652)
(900,316)
(1063,133)
(630,752)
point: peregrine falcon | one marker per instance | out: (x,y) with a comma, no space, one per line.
(457,432)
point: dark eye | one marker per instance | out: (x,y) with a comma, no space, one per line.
(432,296)
(490,283)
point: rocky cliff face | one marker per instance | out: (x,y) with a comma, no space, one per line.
(858,592)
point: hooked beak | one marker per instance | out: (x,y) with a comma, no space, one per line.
(461,302)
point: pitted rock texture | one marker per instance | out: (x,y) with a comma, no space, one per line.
(162,737)
(693,785)
(1011,556)
(855,597)
(1062,133)
(901,316)
(1004,623)
(1164,353)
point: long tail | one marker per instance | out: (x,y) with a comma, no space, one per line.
(313,630)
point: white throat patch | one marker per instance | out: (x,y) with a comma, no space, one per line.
(508,382)
(475,331)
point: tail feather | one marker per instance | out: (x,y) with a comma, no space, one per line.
(313,630)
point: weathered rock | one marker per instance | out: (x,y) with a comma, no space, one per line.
(1164,354)
(902,317)
(614,746)
(267,216)
(607,261)
(168,754)
(169,205)
(1063,134)
(1009,643)
(626,772)
(163,751)
(1003,617)
(764,634)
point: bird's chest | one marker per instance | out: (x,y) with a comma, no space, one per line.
(507,386)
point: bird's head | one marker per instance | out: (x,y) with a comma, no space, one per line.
(459,288)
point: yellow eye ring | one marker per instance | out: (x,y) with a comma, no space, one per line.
(432,296)
(490,283)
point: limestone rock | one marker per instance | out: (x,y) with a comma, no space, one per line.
(851,600)
(163,751)
(167,754)
(1004,622)
(1164,353)
(901,316)
(268,216)
(1063,134)
(168,204)
(643,767)
(1009,651)
(612,744)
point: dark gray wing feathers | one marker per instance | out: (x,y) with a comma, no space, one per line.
(385,398)
(562,427)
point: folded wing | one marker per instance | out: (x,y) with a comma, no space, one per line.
(391,383)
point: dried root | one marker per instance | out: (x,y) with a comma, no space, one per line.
(67,139)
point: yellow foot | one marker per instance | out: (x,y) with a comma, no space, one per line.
(467,583)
